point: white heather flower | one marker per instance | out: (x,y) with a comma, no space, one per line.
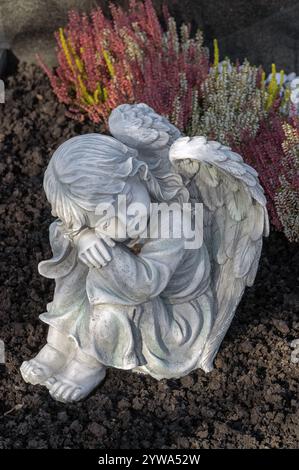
(224,65)
(277,77)
(294,83)
(290,83)
(290,77)
(232,104)
(295,96)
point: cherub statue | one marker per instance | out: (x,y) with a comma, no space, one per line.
(142,303)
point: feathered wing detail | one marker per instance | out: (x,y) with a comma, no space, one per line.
(235,220)
(141,128)
(138,126)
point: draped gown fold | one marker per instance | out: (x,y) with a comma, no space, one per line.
(150,312)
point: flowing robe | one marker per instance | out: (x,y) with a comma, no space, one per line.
(150,312)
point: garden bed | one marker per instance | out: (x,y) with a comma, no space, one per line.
(249,400)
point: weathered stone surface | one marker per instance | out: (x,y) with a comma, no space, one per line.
(263,31)
(29,25)
(182,297)
(272,39)
(3,47)
(2,63)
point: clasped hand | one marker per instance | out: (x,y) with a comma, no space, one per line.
(92,248)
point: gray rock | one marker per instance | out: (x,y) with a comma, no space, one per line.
(3,54)
(281,326)
(2,65)
(264,33)
(29,25)
(270,40)
(261,31)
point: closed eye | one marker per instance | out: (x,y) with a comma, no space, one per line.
(106,225)
(103,224)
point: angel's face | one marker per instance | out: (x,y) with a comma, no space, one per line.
(129,216)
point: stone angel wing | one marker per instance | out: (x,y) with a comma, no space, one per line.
(140,127)
(235,220)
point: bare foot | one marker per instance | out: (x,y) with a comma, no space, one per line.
(75,381)
(47,362)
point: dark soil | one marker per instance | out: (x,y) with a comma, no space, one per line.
(248,401)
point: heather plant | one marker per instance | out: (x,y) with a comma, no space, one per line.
(264,152)
(167,79)
(88,79)
(239,108)
(273,88)
(130,58)
(235,99)
(232,104)
(288,87)
(274,153)
(287,196)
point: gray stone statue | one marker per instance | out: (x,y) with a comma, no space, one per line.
(130,298)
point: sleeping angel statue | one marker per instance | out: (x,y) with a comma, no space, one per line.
(132,298)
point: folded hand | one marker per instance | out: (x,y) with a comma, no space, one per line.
(93,249)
